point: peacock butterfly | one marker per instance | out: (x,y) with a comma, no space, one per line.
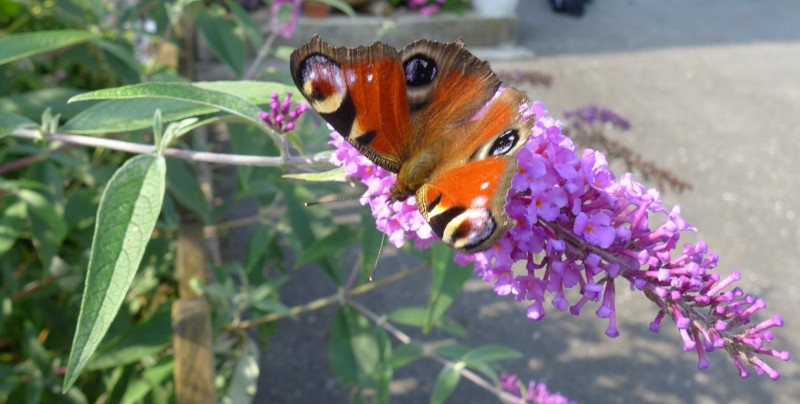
(429,113)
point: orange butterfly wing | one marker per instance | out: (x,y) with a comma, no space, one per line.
(464,201)
(361,92)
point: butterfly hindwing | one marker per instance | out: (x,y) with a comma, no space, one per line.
(464,201)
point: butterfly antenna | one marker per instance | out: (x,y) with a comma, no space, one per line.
(331,199)
(377,258)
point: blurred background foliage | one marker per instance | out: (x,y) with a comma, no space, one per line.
(50,192)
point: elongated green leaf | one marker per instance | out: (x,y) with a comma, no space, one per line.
(371,243)
(121,115)
(49,228)
(242,388)
(451,351)
(223,38)
(18,46)
(258,246)
(341,5)
(151,377)
(446,383)
(410,315)
(125,220)
(144,339)
(183,186)
(415,316)
(336,174)
(490,353)
(249,26)
(32,104)
(124,55)
(339,239)
(301,220)
(354,350)
(12,216)
(448,279)
(406,354)
(182,92)
(257,92)
(10,122)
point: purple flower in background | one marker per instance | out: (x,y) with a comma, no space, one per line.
(281,117)
(580,228)
(426,7)
(589,114)
(280,23)
(536,393)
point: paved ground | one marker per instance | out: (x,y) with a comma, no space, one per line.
(713,91)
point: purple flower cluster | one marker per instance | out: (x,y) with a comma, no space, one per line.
(286,27)
(426,7)
(536,393)
(579,227)
(589,114)
(399,220)
(280,117)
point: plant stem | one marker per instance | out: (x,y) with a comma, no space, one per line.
(262,53)
(405,339)
(328,300)
(217,158)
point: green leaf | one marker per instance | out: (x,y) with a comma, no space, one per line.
(371,244)
(354,350)
(490,353)
(336,174)
(191,93)
(12,217)
(32,104)
(341,5)
(452,351)
(252,30)
(223,38)
(406,354)
(145,339)
(18,46)
(10,122)
(410,315)
(129,67)
(49,228)
(183,186)
(446,383)
(257,92)
(151,378)
(259,245)
(341,238)
(448,279)
(127,115)
(122,115)
(127,215)
(243,385)
(301,219)
(451,327)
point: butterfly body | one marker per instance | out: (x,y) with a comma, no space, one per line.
(428,113)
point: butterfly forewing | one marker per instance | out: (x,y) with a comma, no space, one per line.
(446,84)
(361,93)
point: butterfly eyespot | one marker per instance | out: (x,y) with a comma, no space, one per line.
(420,70)
(504,143)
